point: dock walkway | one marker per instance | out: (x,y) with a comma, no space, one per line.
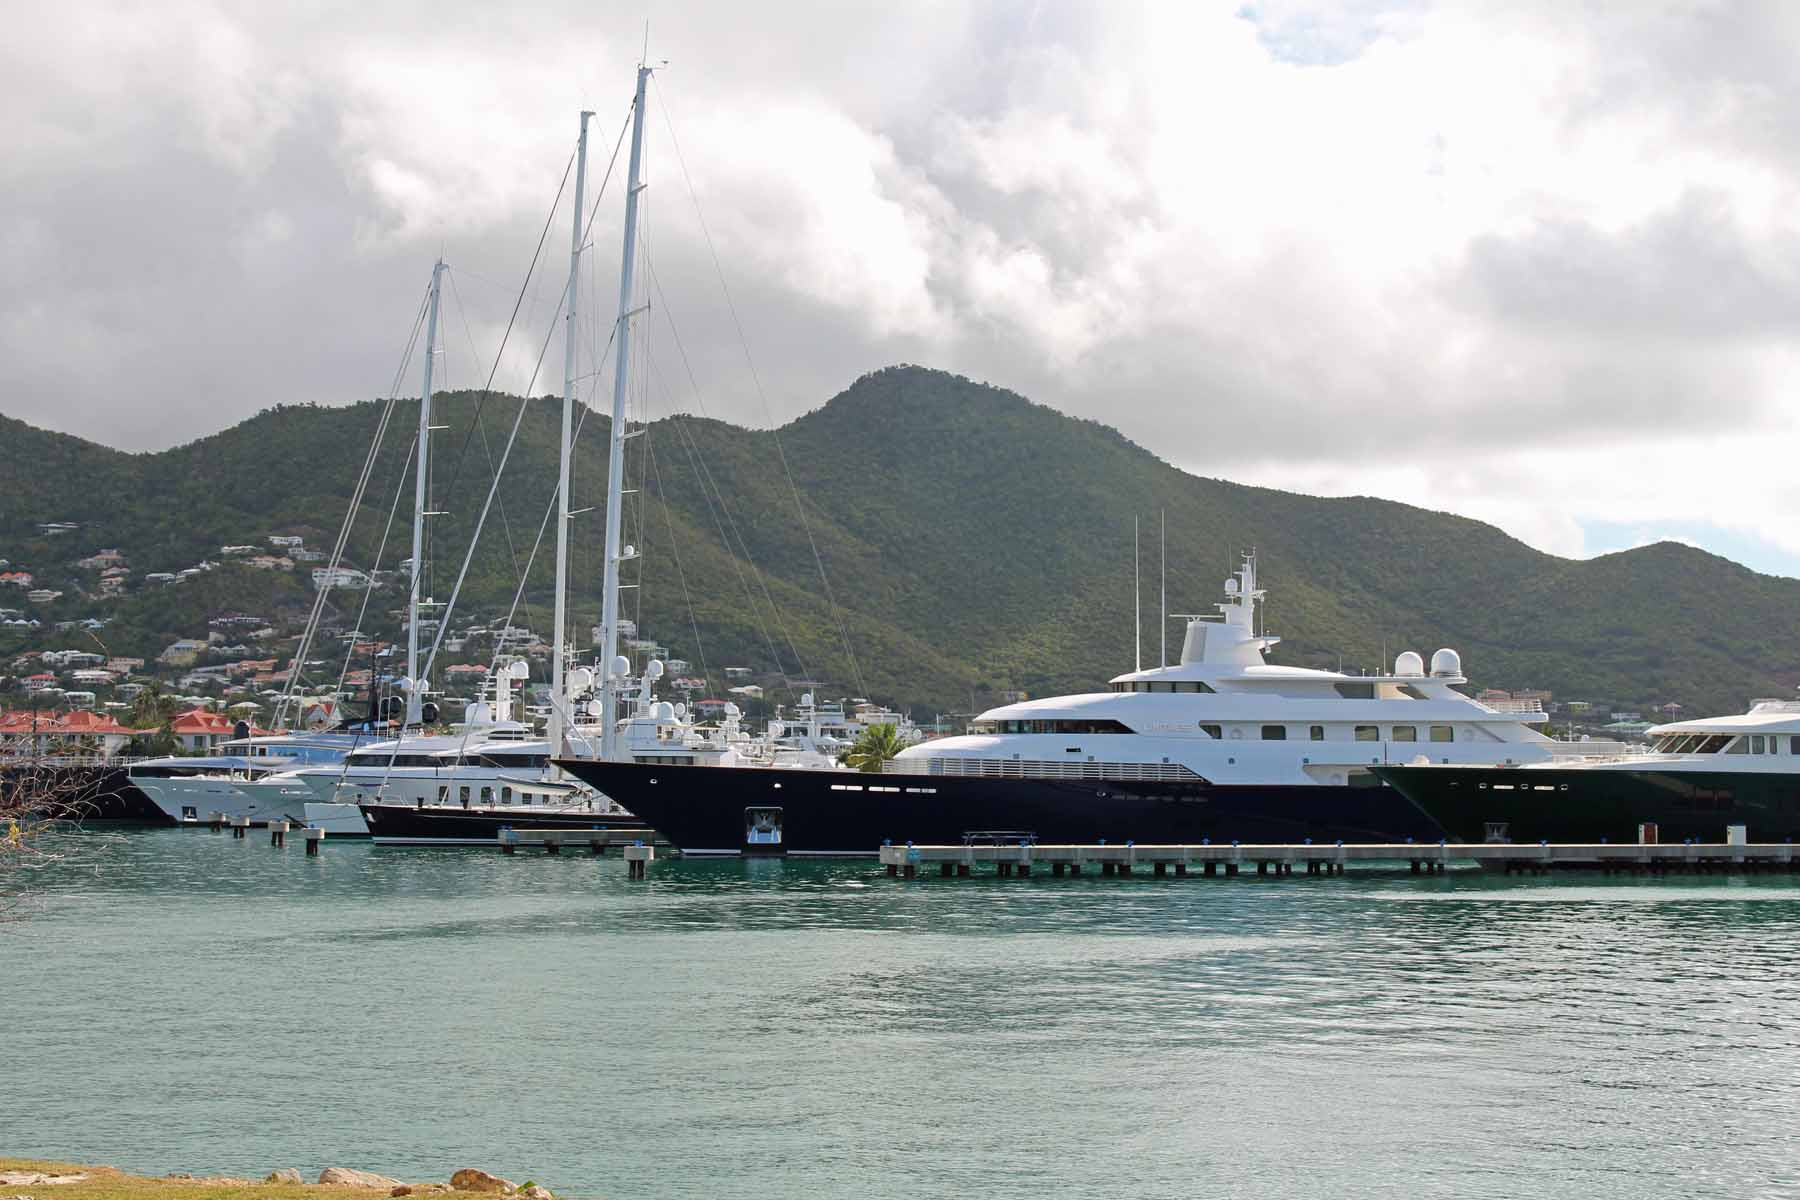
(1128,858)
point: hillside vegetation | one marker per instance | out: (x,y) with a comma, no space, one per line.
(973,542)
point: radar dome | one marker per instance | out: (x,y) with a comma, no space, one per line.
(621,667)
(1231,587)
(1409,663)
(1446,662)
(654,668)
(518,670)
(663,711)
(580,680)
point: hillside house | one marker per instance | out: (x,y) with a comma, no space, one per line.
(237,551)
(100,560)
(43,595)
(286,541)
(18,579)
(201,730)
(64,733)
(182,653)
(339,577)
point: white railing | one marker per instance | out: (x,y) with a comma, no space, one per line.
(1025,768)
(1533,707)
(1592,749)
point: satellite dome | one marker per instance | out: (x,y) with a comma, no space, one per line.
(663,711)
(654,668)
(1446,662)
(621,666)
(519,669)
(1409,663)
(1231,587)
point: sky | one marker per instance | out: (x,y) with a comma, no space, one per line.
(1537,264)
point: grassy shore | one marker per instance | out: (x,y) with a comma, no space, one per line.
(107,1183)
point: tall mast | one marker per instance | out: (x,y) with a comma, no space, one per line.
(1162,558)
(615,468)
(570,332)
(415,687)
(1137,601)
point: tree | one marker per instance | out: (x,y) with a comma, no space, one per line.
(873,748)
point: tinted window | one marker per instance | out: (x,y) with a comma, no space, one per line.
(1406,733)
(1443,733)
(1317,733)
(1274,733)
(1368,733)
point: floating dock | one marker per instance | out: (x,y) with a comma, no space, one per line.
(1130,858)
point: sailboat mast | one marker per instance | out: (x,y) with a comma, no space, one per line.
(1162,558)
(415,687)
(558,653)
(615,468)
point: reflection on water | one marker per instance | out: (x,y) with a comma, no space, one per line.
(762,1029)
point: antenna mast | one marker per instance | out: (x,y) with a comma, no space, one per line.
(1162,556)
(615,470)
(415,687)
(1137,603)
(558,701)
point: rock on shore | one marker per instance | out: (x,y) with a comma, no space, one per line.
(354,1178)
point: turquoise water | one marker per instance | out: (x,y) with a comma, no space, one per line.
(177,1000)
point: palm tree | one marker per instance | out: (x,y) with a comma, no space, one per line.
(873,748)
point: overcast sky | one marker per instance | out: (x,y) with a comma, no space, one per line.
(1535,264)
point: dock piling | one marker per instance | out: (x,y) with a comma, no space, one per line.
(240,827)
(278,833)
(313,837)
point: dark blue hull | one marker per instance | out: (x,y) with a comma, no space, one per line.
(80,793)
(731,810)
(1576,804)
(446,825)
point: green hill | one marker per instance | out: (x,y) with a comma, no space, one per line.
(973,542)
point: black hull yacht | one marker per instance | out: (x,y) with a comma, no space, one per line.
(1222,746)
(1696,779)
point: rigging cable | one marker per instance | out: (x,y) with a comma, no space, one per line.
(744,342)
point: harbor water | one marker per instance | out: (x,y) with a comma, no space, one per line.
(181,1001)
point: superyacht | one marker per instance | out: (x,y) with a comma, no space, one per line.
(1221,746)
(1693,780)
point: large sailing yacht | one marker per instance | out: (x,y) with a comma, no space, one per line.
(1223,745)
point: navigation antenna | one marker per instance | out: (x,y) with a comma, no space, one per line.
(1137,604)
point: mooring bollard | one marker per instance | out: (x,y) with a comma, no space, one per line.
(240,827)
(278,833)
(637,858)
(313,836)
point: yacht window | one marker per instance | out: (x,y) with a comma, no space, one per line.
(1355,691)
(487,795)
(1756,743)
(1316,733)
(1711,744)
(1794,744)
(1213,731)
(1193,685)
(1274,733)
(1061,726)
(1739,746)
(982,727)
(462,793)
(1368,733)
(1443,733)
(443,792)
(506,795)
(1406,733)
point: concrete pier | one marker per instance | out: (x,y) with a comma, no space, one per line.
(1278,860)
(552,841)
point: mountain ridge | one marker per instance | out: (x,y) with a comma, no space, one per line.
(973,541)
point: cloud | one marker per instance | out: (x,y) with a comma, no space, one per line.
(1531,263)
